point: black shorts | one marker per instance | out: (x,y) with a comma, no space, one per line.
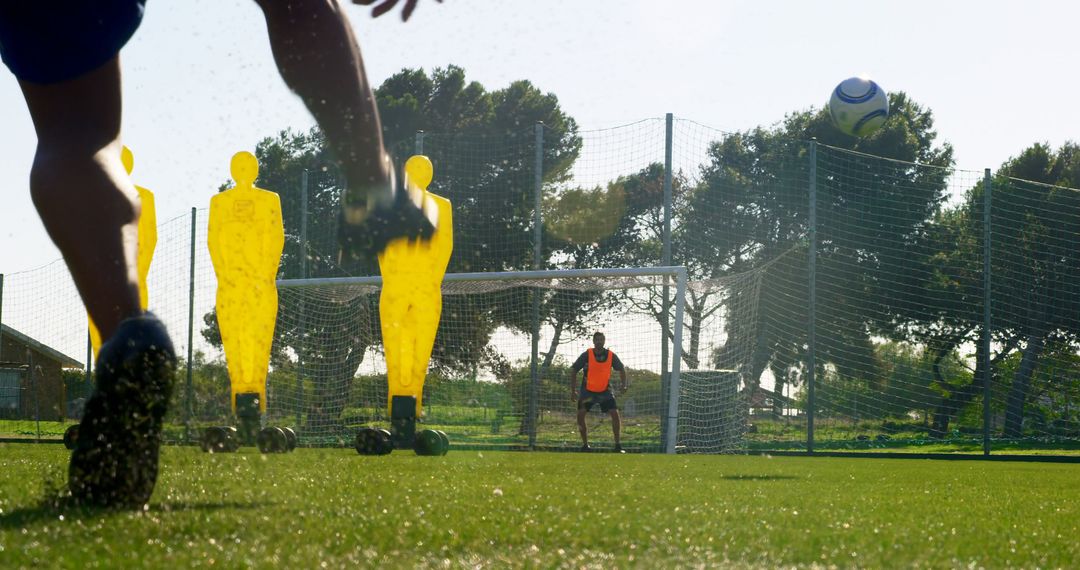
(56,40)
(587,399)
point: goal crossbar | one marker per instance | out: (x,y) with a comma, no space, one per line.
(677,272)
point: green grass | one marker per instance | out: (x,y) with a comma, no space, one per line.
(497,509)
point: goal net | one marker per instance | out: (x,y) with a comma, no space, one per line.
(490,385)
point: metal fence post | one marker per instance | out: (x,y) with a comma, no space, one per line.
(811,309)
(419,145)
(34,387)
(189,405)
(985,340)
(676,365)
(534,368)
(669,126)
(302,349)
(665,260)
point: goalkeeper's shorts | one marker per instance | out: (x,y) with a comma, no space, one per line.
(606,400)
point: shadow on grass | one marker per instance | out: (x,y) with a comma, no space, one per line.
(757,477)
(54,509)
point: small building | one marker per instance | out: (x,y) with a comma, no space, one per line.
(31,378)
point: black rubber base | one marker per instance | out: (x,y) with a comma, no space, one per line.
(272,440)
(71,436)
(219,439)
(431,442)
(373,441)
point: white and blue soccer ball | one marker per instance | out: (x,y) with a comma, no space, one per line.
(858,106)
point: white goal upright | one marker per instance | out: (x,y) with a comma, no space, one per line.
(500,370)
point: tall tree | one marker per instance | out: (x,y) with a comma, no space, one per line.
(1034,268)
(613,226)
(1036,218)
(754,195)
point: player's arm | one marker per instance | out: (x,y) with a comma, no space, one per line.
(387,5)
(573,380)
(618,366)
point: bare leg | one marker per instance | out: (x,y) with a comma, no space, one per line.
(582,428)
(616,426)
(319,59)
(82,192)
(91,210)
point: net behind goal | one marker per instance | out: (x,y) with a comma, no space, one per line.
(488,385)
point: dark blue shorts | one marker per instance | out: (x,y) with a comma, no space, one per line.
(586,400)
(48,41)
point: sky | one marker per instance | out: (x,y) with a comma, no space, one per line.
(200,84)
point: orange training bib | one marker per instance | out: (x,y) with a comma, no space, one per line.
(599,372)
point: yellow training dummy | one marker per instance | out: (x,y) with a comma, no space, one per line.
(147,242)
(411,300)
(245,237)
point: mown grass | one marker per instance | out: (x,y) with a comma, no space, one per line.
(499,509)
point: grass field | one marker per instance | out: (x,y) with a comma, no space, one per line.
(497,509)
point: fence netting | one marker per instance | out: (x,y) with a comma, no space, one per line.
(893,253)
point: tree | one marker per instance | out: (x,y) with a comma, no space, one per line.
(1035,226)
(210,391)
(754,196)
(637,241)
(483,151)
(1033,280)
(598,227)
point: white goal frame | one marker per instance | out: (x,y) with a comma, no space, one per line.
(676,273)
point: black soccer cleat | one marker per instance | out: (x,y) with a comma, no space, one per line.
(364,231)
(115,460)
(619,449)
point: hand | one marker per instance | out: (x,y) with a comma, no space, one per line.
(388,5)
(573,396)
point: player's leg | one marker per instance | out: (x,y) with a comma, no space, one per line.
(90,209)
(583,407)
(319,58)
(82,192)
(610,407)
(616,428)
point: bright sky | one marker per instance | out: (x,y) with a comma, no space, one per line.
(200,83)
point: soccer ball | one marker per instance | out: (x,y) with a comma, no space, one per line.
(858,106)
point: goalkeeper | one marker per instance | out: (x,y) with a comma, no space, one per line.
(595,388)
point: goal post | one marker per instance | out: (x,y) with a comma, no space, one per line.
(481,388)
(676,360)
